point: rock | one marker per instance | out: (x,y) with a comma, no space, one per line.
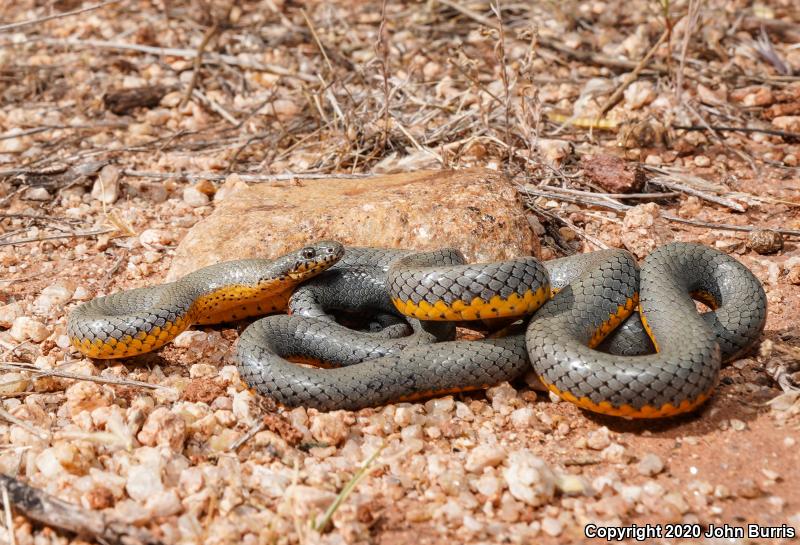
(474,210)
(789,123)
(144,481)
(529,479)
(329,428)
(87,396)
(523,419)
(554,151)
(53,296)
(639,93)
(792,267)
(25,328)
(598,439)
(36,194)
(163,427)
(702,161)
(552,526)
(13,383)
(484,456)
(194,197)
(644,230)
(613,173)
(753,95)
(765,241)
(9,313)
(155,237)
(106,186)
(650,465)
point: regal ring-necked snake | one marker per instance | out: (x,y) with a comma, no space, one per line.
(594,293)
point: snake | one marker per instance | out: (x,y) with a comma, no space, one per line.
(604,334)
(141,320)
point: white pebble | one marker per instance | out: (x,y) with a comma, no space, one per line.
(598,439)
(650,465)
(9,313)
(25,328)
(529,479)
(484,456)
(552,526)
(329,428)
(143,482)
(53,296)
(36,194)
(523,418)
(194,197)
(106,186)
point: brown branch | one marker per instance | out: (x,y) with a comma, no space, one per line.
(46,509)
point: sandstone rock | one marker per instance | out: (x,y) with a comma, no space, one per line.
(613,173)
(474,210)
(106,186)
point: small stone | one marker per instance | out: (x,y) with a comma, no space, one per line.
(613,174)
(106,187)
(206,187)
(553,151)
(639,93)
(738,425)
(615,453)
(282,109)
(598,439)
(488,484)
(523,418)
(87,396)
(403,416)
(164,504)
(191,338)
(13,383)
(9,313)
(53,296)
(144,481)
(573,485)
(653,159)
(464,412)
(765,241)
(155,237)
(329,428)
(25,328)
(163,427)
(643,229)
(484,456)
(702,161)
(36,194)
(200,370)
(552,526)
(529,479)
(788,123)
(753,96)
(650,465)
(194,197)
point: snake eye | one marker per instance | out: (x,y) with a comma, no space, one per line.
(308,253)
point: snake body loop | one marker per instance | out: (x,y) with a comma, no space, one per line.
(594,293)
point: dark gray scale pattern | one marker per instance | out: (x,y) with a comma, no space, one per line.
(419,277)
(363,382)
(132,311)
(687,365)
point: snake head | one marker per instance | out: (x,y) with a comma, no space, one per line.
(313,259)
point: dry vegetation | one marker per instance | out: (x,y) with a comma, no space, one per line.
(121,122)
